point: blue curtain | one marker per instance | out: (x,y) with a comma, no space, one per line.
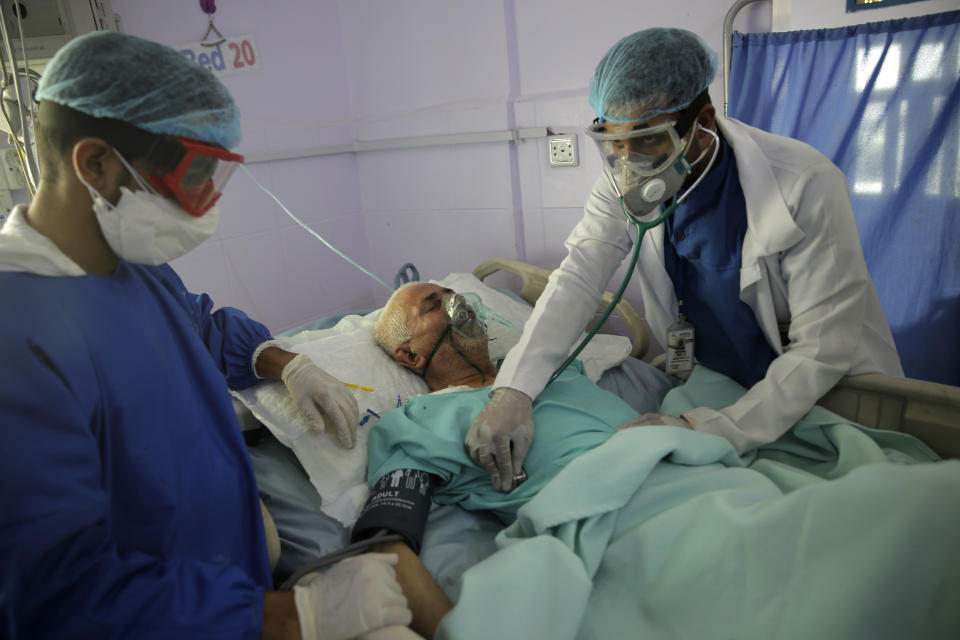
(882,100)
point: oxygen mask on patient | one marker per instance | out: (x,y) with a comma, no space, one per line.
(469,316)
(464,321)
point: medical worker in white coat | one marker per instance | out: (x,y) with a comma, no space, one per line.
(762,250)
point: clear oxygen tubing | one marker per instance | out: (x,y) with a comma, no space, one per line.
(314,233)
(407,273)
(642,228)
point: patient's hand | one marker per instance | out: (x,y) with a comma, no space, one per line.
(655,419)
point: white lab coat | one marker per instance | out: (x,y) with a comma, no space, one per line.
(801,265)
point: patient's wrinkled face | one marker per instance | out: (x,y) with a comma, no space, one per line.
(429,307)
(444,341)
(424,306)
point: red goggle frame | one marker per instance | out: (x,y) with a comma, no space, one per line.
(190,171)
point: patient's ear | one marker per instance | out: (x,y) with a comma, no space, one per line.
(406,357)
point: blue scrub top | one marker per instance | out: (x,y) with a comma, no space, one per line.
(129,504)
(703,245)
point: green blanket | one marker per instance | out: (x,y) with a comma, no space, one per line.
(835,531)
(428,433)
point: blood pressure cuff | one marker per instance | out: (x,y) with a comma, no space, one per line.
(400,503)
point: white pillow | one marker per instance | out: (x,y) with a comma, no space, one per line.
(349,352)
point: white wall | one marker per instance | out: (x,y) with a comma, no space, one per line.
(341,70)
(422,67)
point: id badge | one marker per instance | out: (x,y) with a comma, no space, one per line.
(680,342)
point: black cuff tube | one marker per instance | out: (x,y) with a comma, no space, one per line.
(400,503)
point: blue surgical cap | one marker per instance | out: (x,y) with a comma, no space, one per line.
(106,74)
(651,72)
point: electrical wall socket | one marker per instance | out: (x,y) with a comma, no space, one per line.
(562,151)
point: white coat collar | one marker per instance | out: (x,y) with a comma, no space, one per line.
(23,248)
(771,228)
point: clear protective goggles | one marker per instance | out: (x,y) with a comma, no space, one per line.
(192,172)
(632,156)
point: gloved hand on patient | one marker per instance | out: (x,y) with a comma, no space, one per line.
(323,399)
(655,419)
(500,436)
(355,596)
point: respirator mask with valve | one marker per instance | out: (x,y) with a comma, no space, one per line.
(646,165)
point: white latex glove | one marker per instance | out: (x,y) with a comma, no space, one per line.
(501,434)
(655,419)
(323,398)
(354,596)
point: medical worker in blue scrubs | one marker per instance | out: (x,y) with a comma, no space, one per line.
(129,506)
(763,252)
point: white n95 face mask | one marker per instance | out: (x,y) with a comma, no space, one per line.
(147,228)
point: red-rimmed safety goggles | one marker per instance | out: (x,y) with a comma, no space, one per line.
(190,171)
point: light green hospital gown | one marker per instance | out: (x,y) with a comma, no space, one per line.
(428,433)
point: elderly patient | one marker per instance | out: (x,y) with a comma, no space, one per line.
(417,453)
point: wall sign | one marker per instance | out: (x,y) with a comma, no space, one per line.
(234,55)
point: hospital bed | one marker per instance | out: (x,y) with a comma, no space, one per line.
(306,493)
(456,539)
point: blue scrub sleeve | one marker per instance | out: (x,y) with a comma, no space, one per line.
(62,573)
(231,335)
